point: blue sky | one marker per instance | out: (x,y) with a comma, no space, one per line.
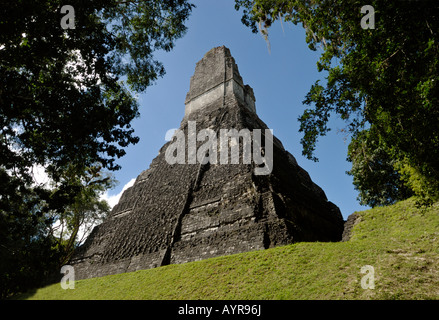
(280,79)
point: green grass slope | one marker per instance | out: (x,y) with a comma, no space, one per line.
(401,243)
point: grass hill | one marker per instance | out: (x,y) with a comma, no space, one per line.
(400,242)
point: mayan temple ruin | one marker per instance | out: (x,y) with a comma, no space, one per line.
(181,212)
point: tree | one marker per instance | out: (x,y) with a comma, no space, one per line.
(86,211)
(373,171)
(385,77)
(27,254)
(66,106)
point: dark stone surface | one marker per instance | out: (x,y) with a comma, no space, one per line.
(186,212)
(349,224)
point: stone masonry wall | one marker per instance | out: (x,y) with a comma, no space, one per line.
(186,212)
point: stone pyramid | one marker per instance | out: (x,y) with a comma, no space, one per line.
(186,210)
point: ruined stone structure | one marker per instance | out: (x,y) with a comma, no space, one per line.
(175,213)
(351,221)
